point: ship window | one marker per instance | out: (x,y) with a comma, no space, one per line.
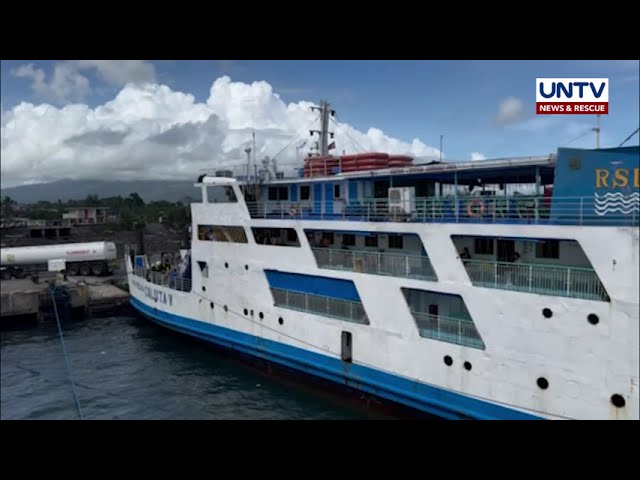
(381,189)
(395,241)
(284,237)
(278,194)
(222,233)
(483,246)
(221,194)
(305,192)
(371,241)
(327,238)
(204,268)
(348,239)
(548,249)
(336,191)
(443,317)
(324,296)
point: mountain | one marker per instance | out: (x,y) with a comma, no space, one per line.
(149,190)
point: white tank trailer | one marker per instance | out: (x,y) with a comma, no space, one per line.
(81,259)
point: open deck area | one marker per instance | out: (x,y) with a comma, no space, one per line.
(517,209)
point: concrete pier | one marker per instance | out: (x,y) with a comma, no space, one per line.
(88,296)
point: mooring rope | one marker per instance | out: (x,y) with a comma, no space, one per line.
(64,350)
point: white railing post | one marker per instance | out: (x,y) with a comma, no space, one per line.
(530,277)
(568,282)
(457,206)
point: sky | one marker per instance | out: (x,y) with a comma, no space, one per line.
(173,119)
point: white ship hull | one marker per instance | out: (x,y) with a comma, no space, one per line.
(550,333)
(584,364)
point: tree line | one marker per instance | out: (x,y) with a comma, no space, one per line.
(128,211)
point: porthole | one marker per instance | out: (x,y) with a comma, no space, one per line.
(246,312)
(226,265)
(448,361)
(226,309)
(547,312)
(618,400)
(280,321)
(211,305)
(543,383)
(246,267)
(467,365)
(593,319)
(261,315)
(204,289)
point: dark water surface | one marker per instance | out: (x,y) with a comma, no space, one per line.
(128,368)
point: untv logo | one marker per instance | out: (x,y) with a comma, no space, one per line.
(586,96)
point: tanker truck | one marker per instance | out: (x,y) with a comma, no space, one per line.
(80,258)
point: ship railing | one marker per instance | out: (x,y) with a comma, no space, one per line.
(556,280)
(378,263)
(458,329)
(623,210)
(326,306)
(163,279)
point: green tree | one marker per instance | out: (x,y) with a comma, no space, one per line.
(8,208)
(134,200)
(92,200)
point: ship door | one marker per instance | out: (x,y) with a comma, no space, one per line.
(506,249)
(346,347)
(317,199)
(328,198)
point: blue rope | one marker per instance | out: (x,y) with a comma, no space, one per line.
(64,350)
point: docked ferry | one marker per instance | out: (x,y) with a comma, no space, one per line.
(494,289)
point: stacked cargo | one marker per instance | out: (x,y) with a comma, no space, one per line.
(330,165)
(321,166)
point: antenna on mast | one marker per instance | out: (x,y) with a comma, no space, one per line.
(248,152)
(323,144)
(253,134)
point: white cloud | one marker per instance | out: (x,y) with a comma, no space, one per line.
(120,72)
(477,156)
(68,83)
(149,131)
(511,110)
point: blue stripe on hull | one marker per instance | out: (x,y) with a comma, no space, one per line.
(430,399)
(313,284)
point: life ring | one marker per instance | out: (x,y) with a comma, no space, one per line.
(294,210)
(476,202)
